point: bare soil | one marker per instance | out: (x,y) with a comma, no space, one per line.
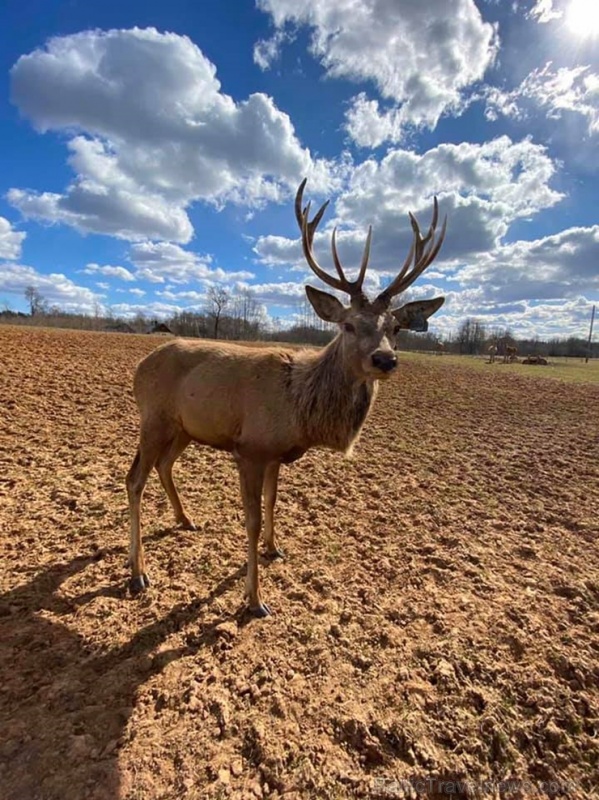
(436,620)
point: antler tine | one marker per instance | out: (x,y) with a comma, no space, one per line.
(353,288)
(419,252)
(316,221)
(302,216)
(336,259)
(366,255)
(405,266)
(307,230)
(426,258)
(299,215)
(307,237)
(421,241)
(421,263)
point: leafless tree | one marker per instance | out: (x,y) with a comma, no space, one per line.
(37,302)
(218,300)
(471,337)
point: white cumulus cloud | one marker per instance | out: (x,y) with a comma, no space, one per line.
(567,90)
(544,11)
(55,287)
(111,271)
(483,188)
(421,56)
(267,51)
(151,133)
(159,262)
(555,267)
(11,241)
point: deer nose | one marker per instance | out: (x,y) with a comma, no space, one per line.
(384,361)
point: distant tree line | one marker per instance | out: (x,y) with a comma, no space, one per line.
(240,317)
(223,316)
(475,338)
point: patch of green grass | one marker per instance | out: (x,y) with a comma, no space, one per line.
(571,370)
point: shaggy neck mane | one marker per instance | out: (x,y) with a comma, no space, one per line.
(331,404)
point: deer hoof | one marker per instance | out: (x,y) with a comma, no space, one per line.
(139,583)
(260,611)
(272,555)
(187,525)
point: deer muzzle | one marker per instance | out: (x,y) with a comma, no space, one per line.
(384,361)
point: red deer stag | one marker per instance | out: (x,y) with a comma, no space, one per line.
(511,353)
(268,406)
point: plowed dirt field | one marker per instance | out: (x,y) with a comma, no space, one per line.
(436,620)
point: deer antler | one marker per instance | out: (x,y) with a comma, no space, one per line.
(353,288)
(422,255)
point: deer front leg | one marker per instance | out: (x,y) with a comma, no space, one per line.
(271,478)
(251,475)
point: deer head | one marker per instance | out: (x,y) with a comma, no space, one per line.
(369,329)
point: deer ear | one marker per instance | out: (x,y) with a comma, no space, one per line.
(326,305)
(413,316)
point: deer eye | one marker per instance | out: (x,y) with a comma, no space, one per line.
(347,326)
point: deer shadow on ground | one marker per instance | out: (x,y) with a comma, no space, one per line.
(64,707)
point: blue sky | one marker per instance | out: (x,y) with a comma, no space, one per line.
(152,150)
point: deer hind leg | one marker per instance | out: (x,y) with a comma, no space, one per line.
(150,445)
(251,476)
(271,478)
(164,467)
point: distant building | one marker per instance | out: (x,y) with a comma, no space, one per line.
(159,327)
